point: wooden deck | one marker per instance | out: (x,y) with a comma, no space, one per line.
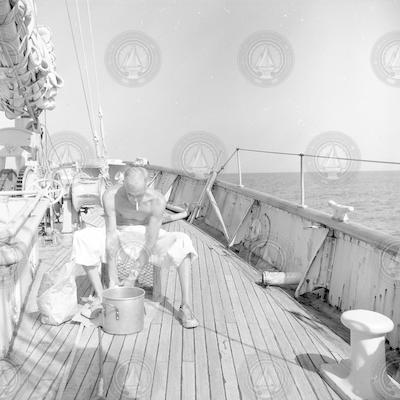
(252,342)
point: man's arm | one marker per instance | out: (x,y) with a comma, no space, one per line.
(111,235)
(152,230)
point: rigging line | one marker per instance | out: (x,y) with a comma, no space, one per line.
(321,156)
(85,63)
(226,162)
(79,64)
(58,157)
(96,77)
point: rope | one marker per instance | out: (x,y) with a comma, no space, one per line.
(29,82)
(226,162)
(320,156)
(96,79)
(79,64)
(85,67)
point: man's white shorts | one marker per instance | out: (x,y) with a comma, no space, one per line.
(89,246)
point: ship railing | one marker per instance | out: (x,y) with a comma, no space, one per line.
(347,264)
(301,157)
(19,258)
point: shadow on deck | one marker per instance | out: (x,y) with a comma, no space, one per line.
(252,342)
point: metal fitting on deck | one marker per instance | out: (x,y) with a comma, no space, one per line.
(363,376)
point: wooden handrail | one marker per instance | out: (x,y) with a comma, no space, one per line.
(14,252)
(15,224)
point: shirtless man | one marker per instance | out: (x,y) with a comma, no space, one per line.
(134,206)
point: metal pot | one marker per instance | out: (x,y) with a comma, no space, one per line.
(123,310)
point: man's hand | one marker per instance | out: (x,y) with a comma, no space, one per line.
(143,259)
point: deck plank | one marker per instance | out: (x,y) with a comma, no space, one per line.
(214,361)
(260,357)
(161,372)
(202,379)
(278,334)
(148,372)
(131,384)
(115,389)
(223,344)
(273,349)
(248,337)
(174,388)
(47,349)
(84,362)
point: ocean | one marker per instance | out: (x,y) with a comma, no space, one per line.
(375,195)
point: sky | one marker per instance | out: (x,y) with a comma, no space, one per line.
(287,76)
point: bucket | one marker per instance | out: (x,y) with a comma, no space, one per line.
(123,310)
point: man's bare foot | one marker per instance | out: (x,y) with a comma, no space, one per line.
(186,316)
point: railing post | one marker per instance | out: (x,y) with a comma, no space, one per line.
(302,179)
(239,167)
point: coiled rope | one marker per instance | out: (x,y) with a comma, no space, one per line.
(28,77)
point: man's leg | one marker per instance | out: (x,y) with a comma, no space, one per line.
(94,277)
(87,250)
(185,312)
(94,305)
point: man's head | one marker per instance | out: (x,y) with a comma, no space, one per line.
(135,183)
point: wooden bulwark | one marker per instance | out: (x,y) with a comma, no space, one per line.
(251,342)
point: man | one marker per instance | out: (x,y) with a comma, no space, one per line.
(133,217)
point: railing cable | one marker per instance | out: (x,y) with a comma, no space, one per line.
(321,156)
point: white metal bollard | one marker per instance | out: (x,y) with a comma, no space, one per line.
(364,375)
